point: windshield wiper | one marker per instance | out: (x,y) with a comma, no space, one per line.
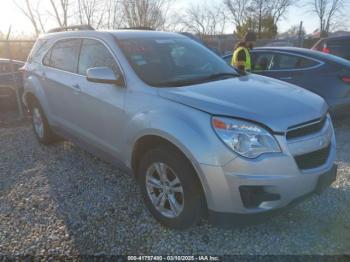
(177,83)
(222,75)
(186,82)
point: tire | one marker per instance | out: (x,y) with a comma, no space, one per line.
(176,209)
(41,126)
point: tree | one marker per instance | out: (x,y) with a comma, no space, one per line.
(278,8)
(326,11)
(144,13)
(91,12)
(113,17)
(237,10)
(259,9)
(60,8)
(29,12)
(268,13)
(294,31)
(261,16)
(265,24)
(204,20)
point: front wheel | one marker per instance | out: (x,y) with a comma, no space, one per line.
(170,188)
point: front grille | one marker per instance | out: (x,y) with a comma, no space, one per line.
(306,129)
(314,159)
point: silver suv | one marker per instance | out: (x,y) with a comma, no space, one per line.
(202,138)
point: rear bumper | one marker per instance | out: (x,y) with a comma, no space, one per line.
(226,219)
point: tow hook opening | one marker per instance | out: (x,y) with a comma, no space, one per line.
(253,196)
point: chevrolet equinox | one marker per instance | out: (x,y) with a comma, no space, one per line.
(202,138)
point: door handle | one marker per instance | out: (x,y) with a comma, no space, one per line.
(286,78)
(76,88)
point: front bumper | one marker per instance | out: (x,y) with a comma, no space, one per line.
(274,180)
(229,219)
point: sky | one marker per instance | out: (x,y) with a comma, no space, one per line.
(10,15)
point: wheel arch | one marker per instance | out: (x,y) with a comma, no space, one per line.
(29,98)
(148,142)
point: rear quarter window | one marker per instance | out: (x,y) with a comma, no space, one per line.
(306,63)
(38,50)
(290,62)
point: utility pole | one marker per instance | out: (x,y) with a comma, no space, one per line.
(300,35)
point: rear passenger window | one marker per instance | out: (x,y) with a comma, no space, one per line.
(289,62)
(64,55)
(286,62)
(95,54)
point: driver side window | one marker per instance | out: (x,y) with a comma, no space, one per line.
(94,54)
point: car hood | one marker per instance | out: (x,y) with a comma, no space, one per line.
(273,103)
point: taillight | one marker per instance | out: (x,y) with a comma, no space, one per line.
(346,79)
(326,50)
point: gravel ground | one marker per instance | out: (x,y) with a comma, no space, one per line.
(61,200)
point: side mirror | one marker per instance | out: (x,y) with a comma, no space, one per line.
(104,75)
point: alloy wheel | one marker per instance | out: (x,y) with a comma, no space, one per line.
(165,190)
(38,122)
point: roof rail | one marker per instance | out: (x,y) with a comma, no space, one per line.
(137,28)
(71,28)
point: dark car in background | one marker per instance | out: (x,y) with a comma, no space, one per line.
(10,78)
(339,46)
(324,74)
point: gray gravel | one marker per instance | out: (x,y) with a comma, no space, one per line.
(62,200)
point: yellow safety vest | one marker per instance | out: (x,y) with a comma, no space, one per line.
(248,62)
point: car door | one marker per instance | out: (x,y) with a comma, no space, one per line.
(7,93)
(288,67)
(5,77)
(58,78)
(100,115)
(9,74)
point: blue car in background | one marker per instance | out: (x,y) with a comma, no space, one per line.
(10,78)
(324,74)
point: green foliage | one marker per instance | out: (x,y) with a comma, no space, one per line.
(268,27)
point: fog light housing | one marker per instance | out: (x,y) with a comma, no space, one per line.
(253,196)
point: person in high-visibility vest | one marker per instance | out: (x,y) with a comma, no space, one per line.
(241,56)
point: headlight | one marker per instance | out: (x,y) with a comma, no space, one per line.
(245,138)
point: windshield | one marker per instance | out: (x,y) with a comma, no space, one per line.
(174,62)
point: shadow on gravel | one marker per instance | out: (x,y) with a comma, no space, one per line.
(100,205)
(11,119)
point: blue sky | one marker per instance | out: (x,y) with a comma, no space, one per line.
(9,15)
